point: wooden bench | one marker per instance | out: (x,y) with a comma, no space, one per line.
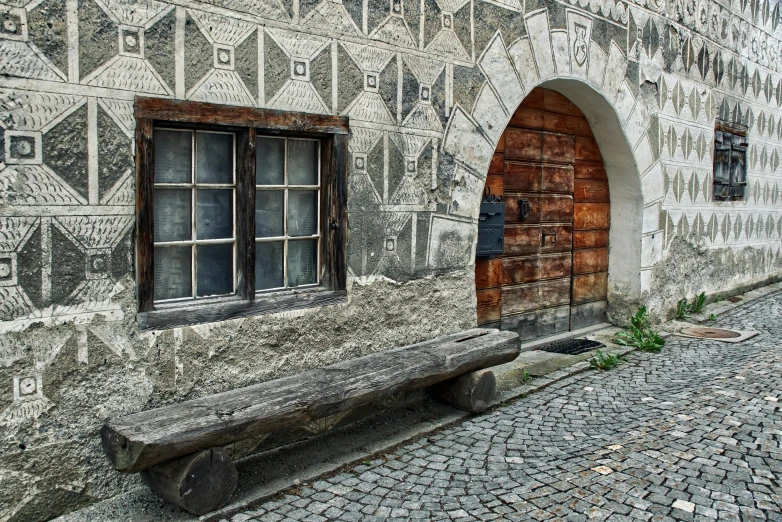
(178,448)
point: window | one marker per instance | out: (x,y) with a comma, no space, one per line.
(239,211)
(194,234)
(287,193)
(730,162)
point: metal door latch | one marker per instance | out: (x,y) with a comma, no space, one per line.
(523,209)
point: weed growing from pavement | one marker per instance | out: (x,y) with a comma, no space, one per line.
(681,309)
(640,334)
(525,377)
(604,361)
(684,309)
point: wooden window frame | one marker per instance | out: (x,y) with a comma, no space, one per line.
(331,131)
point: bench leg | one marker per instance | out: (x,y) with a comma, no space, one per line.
(472,391)
(199,483)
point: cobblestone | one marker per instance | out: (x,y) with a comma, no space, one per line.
(692,433)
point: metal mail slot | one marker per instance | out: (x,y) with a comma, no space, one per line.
(491,229)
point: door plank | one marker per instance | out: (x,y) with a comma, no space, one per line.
(556,102)
(591,191)
(588,314)
(556,238)
(522,239)
(555,292)
(559,147)
(555,208)
(495,184)
(587,149)
(535,99)
(557,178)
(488,273)
(590,238)
(512,208)
(521,298)
(553,266)
(590,260)
(590,287)
(590,170)
(501,143)
(523,144)
(528,118)
(566,124)
(522,177)
(591,215)
(540,323)
(520,270)
(489,305)
(497,163)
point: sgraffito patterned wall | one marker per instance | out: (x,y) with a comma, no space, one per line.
(429,86)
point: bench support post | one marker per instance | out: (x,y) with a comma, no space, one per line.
(199,483)
(472,391)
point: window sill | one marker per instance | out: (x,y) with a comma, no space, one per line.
(191,313)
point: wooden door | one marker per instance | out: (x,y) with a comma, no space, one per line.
(553,274)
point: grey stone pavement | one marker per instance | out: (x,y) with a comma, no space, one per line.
(692,433)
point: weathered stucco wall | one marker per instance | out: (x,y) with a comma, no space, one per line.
(429,86)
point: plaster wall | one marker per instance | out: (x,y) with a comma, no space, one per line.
(429,85)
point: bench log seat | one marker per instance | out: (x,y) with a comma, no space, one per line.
(178,443)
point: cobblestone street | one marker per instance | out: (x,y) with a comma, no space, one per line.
(692,433)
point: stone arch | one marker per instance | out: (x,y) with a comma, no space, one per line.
(597,85)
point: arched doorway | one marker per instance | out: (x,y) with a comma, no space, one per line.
(553,274)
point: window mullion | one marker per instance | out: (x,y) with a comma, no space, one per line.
(193,231)
(245,214)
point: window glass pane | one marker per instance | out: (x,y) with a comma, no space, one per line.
(302,261)
(172,272)
(269,161)
(173,156)
(214,269)
(214,214)
(269,206)
(214,157)
(302,212)
(172,215)
(268,265)
(302,162)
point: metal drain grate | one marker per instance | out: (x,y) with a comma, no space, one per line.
(572,346)
(710,333)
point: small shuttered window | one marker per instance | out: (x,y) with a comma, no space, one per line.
(730,162)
